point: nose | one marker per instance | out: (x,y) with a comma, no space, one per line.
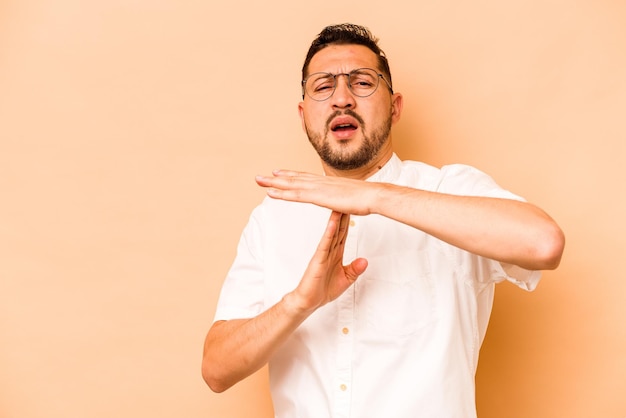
(342,97)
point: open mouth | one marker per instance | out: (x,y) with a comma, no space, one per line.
(343,127)
(343,124)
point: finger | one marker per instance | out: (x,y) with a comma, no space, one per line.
(330,234)
(281,180)
(336,238)
(355,269)
(283,183)
(342,232)
(277,189)
(292,173)
(264,181)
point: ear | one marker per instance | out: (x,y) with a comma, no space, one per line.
(301,113)
(396,107)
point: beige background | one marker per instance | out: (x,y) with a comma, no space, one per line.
(130,133)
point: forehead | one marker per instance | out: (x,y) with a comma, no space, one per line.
(342,59)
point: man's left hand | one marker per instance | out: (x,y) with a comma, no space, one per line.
(340,194)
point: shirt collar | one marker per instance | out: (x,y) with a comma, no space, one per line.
(389,172)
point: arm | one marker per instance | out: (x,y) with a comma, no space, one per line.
(505,230)
(237,348)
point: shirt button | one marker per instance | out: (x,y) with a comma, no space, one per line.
(352,223)
(343,387)
(345,331)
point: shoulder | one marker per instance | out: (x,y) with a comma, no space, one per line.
(437,172)
(460,179)
(429,177)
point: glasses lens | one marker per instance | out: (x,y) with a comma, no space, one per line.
(320,86)
(363,82)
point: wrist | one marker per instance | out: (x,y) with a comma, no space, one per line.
(377,199)
(295,306)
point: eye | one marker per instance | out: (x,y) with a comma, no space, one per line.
(362,83)
(322,83)
(323,86)
(363,80)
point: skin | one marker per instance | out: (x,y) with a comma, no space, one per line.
(505,230)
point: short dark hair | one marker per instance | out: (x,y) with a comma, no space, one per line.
(347,34)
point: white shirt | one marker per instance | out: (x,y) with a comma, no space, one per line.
(403,341)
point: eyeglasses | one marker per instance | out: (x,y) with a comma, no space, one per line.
(362,82)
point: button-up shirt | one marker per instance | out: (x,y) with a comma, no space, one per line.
(403,341)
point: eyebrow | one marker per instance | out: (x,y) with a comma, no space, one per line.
(349,72)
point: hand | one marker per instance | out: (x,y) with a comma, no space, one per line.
(326,278)
(340,194)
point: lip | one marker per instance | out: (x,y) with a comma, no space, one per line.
(344,120)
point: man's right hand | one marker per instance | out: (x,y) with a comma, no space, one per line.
(326,278)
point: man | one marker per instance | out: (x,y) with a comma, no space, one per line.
(368,290)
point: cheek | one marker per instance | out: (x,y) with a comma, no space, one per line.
(313,119)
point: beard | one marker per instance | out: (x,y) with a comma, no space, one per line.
(342,158)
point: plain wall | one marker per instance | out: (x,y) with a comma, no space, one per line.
(130,134)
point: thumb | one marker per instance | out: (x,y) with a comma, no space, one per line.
(355,269)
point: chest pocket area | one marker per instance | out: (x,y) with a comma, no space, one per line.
(396,295)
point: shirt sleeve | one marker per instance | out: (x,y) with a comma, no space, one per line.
(522,278)
(242,294)
(465,180)
(485,272)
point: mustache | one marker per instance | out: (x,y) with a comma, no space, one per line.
(348,112)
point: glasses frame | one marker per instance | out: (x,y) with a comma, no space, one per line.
(334,76)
